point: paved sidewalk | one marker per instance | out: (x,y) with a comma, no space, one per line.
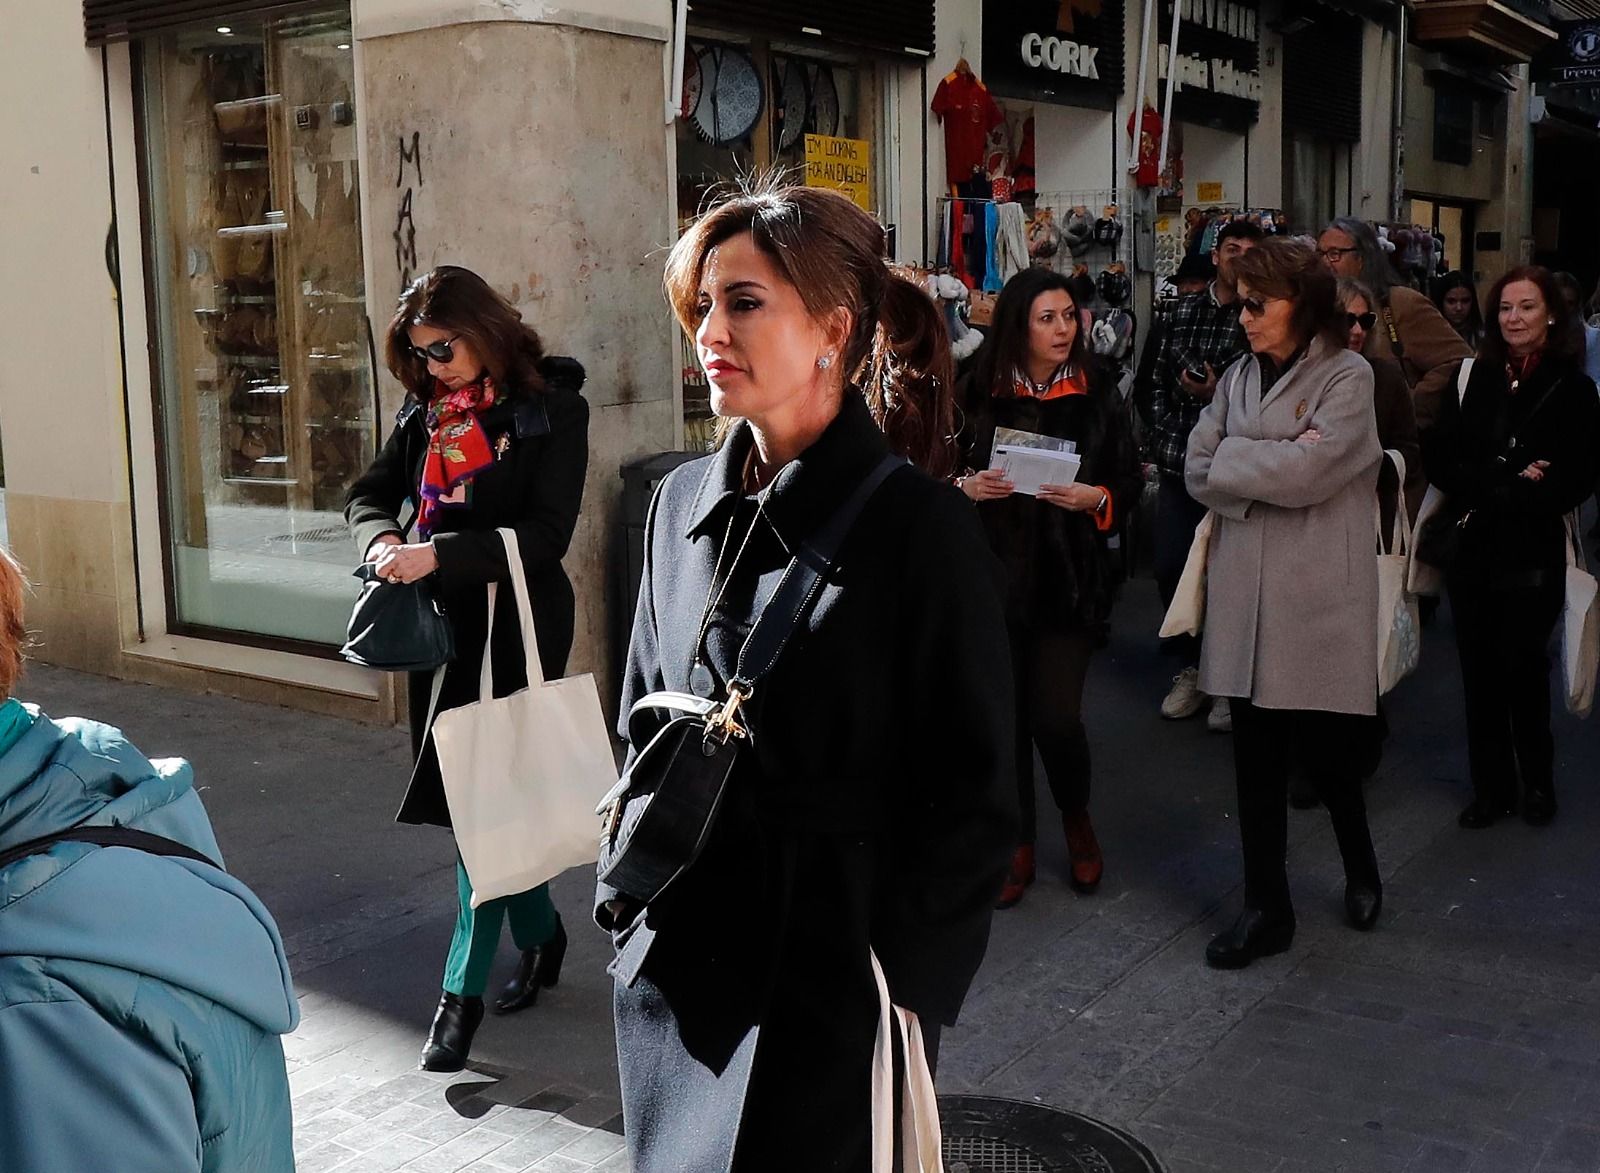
(1462,1034)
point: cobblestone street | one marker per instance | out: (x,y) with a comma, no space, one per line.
(1463,1034)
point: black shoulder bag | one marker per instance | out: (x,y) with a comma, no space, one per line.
(659,816)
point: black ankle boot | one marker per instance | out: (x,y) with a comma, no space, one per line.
(1254,934)
(1539,806)
(1362,903)
(450,1040)
(539,967)
(1481,813)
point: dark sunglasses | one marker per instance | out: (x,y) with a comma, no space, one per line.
(1255,306)
(439,352)
(1365,321)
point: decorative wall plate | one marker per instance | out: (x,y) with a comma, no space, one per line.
(732,95)
(793,100)
(823,116)
(693,84)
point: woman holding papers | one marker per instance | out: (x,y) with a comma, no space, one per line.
(1044,422)
(1286,458)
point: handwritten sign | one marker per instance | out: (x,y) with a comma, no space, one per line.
(844,164)
(1208,193)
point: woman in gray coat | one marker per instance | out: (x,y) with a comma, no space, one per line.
(1286,458)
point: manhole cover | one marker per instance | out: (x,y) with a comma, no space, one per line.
(985,1135)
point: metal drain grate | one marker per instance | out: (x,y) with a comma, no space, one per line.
(328,533)
(987,1135)
(982,1154)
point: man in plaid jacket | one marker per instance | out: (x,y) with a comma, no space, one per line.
(1200,337)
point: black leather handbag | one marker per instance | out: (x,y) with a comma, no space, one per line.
(660,814)
(397,626)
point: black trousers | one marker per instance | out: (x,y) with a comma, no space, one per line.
(1503,638)
(1050,667)
(1330,748)
(1177,515)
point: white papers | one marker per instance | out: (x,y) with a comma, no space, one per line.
(1028,468)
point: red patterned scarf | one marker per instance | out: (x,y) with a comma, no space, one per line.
(458,449)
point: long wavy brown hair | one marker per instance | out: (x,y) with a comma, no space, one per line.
(13,634)
(456,299)
(832,252)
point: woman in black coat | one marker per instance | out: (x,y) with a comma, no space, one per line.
(1035,374)
(1515,454)
(493,434)
(873,811)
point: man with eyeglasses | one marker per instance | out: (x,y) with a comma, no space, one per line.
(1201,338)
(1408,327)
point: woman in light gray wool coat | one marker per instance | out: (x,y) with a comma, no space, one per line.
(1286,457)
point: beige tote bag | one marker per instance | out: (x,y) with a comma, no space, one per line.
(1187,614)
(920,1139)
(1580,628)
(522,773)
(1399,623)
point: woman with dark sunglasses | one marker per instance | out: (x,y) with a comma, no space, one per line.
(493,433)
(1391,398)
(1286,458)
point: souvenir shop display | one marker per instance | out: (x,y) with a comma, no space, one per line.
(1195,232)
(968,113)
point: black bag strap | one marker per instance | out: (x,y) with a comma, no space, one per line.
(798,588)
(106,837)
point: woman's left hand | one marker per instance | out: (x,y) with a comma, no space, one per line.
(1074,498)
(1535,471)
(407,563)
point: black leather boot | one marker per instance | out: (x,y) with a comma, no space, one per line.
(539,967)
(1539,806)
(450,1040)
(1254,934)
(1482,812)
(1362,903)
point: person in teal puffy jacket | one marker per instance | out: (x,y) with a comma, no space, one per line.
(142,996)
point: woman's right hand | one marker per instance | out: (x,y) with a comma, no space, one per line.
(988,485)
(375,551)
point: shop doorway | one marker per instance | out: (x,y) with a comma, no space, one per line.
(1566,223)
(1451,222)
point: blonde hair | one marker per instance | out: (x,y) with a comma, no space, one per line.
(13,635)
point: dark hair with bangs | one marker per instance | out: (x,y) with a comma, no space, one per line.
(1288,269)
(456,299)
(833,253)
(1565,339)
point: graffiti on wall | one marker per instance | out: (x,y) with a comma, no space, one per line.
(405,225)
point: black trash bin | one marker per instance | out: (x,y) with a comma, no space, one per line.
(639,480)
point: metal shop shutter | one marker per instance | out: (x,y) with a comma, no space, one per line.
(891,26)
(1322,78)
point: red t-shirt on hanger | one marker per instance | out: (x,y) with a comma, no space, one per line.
(963,104)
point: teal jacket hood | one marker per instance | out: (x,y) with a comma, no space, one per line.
(176,920)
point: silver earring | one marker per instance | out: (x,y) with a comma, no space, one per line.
(1549,321)
(824,362)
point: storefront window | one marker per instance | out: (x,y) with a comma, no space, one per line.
(265,386)
(748,106)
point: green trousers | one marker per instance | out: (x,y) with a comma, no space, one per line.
(477,935)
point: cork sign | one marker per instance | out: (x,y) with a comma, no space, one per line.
(844,164)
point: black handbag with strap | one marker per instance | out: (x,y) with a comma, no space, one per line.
(660,814)
(106,837)
(397,626)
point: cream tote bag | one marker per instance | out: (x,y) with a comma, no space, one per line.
(1580,628)
(522,773)
(1399,624)
(1187,614)
(921,1142)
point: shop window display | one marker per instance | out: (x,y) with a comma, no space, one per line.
(747,106)
(265,374)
